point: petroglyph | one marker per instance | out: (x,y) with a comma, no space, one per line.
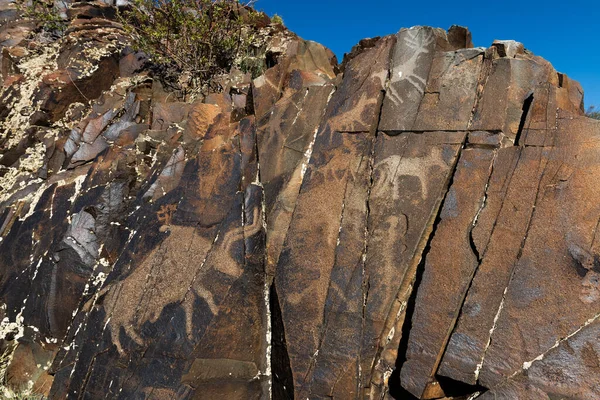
(389,170)
(170,274)
(346,121)
(418,42)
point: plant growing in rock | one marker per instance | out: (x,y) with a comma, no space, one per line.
(592,112)
(196,38)
(7,392)
(21,395)
(45,14)
(276,19)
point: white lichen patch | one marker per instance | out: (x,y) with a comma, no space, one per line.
(70,121)
(122,85)
(101,277)
(30,163)
(16,327)
(25,393)
(89,61)
(34,197)
(78,185)
(33,67)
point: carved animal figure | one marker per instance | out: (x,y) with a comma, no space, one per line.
(418,41)
(172,273)
(390,169)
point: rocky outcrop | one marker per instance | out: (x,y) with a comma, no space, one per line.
(418,221)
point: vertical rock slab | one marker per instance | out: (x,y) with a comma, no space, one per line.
(450,94)
(501,105)
(319,276)
(515,194)
(229,363)
(557,267)
(449,267)
(284,141)
(310,293)
(356,105)
(412,57)
(411,173)
(191,277)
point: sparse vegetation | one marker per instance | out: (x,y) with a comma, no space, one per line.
(20,394)
(276,19)
(7,392)
(46,15)
(592,112)
(195,38)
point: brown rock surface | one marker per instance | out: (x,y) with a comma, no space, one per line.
(417,222)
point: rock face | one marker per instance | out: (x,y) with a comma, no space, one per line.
(417,222)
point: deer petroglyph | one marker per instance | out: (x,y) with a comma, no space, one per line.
(170,274)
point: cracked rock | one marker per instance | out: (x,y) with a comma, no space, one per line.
(420,221)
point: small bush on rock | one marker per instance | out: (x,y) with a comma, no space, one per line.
(45,14)
(592,112)
(276,19)
(199,38)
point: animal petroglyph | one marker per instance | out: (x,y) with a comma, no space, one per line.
(170,274)
(395,166)
(347,121)
(417,42)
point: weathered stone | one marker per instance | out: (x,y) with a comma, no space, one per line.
(509,206)
(449,269)
(216,249)
(131,63)
(285,142)
(300,55)
(449,96)
(87,10)
(502,104)
(565,273)
(459,37)
(412,57)
(419,219)
(567,369)
(356,103)
(508,48)
(310,281)
(200,117)
(166,114)
(411,172)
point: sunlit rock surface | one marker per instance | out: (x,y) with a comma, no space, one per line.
(418,221)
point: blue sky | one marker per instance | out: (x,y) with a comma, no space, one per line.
(566,33)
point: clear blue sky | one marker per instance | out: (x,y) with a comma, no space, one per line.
(566,33)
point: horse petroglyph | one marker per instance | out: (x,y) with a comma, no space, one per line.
(392,168)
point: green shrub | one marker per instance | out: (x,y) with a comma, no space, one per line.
(24,394)
(202,38)
(276,19)
(46,15)
(592,113)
